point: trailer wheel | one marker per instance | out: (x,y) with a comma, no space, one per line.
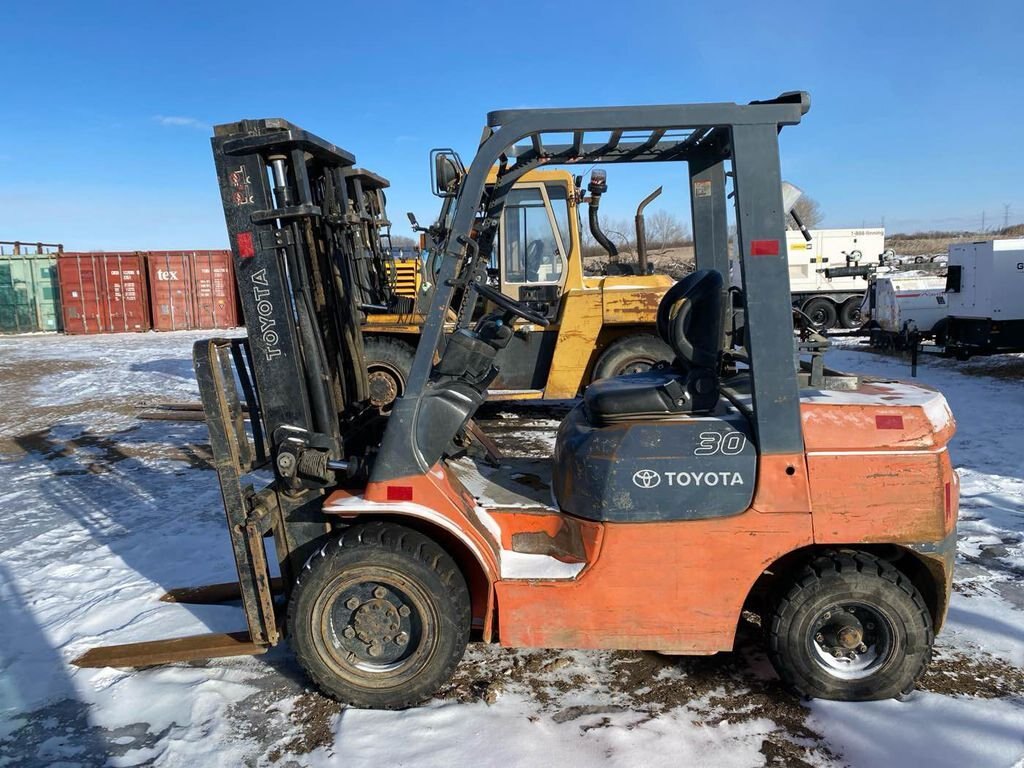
(388,362)
(852,628)
(822,313)
(631,354)
(849,313)
(379,617)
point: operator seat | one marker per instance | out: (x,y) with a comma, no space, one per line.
(690,320)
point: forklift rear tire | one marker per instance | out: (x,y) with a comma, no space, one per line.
(822,313)
(852,628)
(388,362)
(379,617)
(631,354)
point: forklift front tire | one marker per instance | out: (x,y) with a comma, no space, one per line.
(380,617)
(852,628)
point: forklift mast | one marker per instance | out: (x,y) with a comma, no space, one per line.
(305,226)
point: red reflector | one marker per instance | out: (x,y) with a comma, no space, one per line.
(888,422)
(245,248)
(764,247)
(399,493)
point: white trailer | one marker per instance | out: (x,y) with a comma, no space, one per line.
(985,290)
(829,302)
(901,307)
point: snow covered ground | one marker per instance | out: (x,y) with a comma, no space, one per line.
(103,512)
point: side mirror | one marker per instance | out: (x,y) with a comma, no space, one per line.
(446,171)
(791,195)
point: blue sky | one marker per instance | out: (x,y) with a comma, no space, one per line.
(106,108)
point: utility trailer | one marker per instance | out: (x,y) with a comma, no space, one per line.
(722,480)
(829,270)
(985,289)
(900,309)
(831,301)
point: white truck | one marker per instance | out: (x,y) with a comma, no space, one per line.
(985,291)
(826,301)
(902,307)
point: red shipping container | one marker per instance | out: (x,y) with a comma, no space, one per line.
(192,290)
(103,292)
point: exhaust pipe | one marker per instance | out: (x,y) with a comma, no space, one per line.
(598,186)
(641,231)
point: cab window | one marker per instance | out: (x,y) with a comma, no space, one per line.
(531,249)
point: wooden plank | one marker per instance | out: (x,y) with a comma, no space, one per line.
(490,447)
(191,648)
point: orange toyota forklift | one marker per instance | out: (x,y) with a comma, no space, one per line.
(742,474)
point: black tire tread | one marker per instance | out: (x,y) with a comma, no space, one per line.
(397,539)
(624,346)
(839,562)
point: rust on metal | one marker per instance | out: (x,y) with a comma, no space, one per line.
(191,648)
(212,594)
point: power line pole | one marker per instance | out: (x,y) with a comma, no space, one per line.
(983,222)
(1006,215)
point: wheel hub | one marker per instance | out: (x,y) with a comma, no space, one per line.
(634,366)
(375,623)
(851,641)
(384,388)
(374,626)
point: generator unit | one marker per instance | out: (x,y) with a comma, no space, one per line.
(985,291)
(902,307)
(828,273)
(830,300)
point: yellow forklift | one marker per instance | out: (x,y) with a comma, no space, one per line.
(598,325)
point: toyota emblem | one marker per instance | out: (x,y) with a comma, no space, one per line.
(646,478)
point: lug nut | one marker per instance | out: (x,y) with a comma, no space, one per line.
(819,638)
(349,632)
(862,648)
(404,610)
(352,603)
(827,616)
(869,625)
(379,593)
(401,638)
(837,653)
(375,650)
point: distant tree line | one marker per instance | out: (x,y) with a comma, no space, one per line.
(664,232)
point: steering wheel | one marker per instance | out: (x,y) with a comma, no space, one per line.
(509,305)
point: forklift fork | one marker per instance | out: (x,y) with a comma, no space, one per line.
(223,367)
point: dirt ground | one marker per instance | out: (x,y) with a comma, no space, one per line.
(94,437)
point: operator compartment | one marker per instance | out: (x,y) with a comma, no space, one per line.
(661,444)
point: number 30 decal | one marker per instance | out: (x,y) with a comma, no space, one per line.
(729,444)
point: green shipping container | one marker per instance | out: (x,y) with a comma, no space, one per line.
(29,296)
